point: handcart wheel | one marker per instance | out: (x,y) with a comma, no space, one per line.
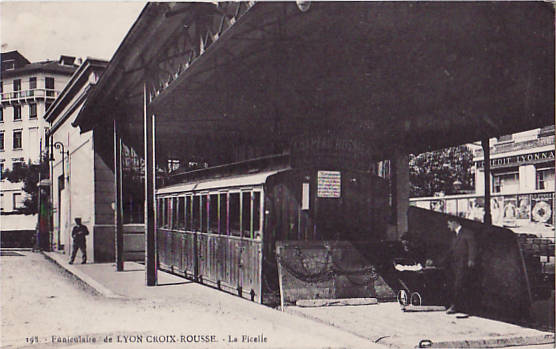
(415,298)
(403,297)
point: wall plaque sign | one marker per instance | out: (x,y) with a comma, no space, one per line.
(329,184)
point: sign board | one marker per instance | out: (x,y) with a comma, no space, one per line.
(329,151)
(516,160)
(329,184)
(305,196)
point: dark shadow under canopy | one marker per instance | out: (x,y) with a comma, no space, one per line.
(413,75)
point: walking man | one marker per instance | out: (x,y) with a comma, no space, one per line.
(461,261)
(79,233)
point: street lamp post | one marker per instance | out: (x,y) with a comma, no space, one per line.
(60,146)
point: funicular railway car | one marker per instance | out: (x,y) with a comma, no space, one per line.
(219,226)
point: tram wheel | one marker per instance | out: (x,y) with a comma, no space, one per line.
(403,297)
(416,298)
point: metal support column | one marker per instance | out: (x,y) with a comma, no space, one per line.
(400,192)
(118,199)
(150,178)
(486,151)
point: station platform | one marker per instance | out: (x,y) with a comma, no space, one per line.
(386,323)
(383,323)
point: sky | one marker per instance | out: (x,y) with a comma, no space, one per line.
(42,30)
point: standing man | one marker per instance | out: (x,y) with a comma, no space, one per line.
(79,233)
(462,259)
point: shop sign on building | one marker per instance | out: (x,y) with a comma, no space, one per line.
(516,160)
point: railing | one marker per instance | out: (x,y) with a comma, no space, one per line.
(509,147)
(511,210)
(33,93)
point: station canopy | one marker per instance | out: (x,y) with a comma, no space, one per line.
(415,76)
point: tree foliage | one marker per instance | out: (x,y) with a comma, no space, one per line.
(435,172)
(29,174)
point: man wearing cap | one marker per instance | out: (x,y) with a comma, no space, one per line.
(79,234)
(461,261)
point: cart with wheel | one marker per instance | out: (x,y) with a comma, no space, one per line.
(419,285)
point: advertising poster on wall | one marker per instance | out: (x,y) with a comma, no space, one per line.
(452,207)
(523,207)
(422,204)
(497,210)
(541,208)
(477,211)
(510,210)
(437,205)
(464,208)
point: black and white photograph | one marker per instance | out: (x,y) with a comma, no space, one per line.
(277,174)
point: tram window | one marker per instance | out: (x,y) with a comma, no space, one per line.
(188,215)
(235,228)
(223,225)
(246,214)
(196,213)
(256,213)
(213,214)
(174,217)
(160,212)
(179,223)
(204,213)
(168,212)
(164,212)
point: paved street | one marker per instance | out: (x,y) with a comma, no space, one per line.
(41,301)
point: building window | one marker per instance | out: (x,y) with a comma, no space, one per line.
(1,114)
(46,106)
(8,64)
(17,201)
(32,111)
(32,85)
(17,84)
(545,179)
(17,144)
(505,182)
(49,86)
(17,112)
(1,141)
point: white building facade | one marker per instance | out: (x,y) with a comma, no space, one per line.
(27,90)
(521,184)
(82,184)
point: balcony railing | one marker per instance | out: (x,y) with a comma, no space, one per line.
(509,147)
(29,94)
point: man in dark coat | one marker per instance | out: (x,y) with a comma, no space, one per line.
(462,258)
(79,234)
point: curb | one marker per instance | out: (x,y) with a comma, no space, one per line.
(26,249)
(496,342)
(87,280)
(490,342)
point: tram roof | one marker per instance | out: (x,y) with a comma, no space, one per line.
(412,75)
(235,182)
